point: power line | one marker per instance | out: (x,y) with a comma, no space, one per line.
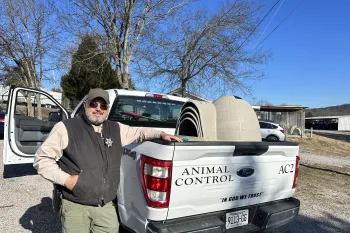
(239,47)
(269,23)
(257,25)
(282,21)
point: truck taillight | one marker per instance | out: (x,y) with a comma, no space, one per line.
(2,119)
(157,96)
(296,172)
(156,181)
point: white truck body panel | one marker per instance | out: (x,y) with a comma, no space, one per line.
(132,206)
(272,180)
(193,193)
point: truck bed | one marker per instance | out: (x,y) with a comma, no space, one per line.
(183,180)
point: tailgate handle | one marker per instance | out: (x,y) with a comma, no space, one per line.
(254,149)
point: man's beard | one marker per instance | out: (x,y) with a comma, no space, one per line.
(95,121)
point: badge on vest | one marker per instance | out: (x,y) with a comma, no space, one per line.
(108,142)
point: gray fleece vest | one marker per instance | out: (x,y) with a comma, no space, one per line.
(95,159)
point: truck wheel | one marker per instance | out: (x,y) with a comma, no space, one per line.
(272,138)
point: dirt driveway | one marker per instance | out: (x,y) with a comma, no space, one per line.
(325,202)
(323,185)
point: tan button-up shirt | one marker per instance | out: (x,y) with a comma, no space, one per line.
(52,149)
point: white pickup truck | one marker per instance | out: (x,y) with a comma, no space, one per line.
(192,186)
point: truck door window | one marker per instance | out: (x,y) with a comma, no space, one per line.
(145,111)
(36,106)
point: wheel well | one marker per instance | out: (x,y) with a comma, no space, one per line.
(273,135)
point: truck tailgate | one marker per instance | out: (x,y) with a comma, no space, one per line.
(214,176)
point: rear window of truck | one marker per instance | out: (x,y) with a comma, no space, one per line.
(145,111)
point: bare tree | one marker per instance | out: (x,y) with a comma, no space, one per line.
(119,23)
(27,35)
(263,103)
(204,52)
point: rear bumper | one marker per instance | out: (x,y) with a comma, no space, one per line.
(261,217)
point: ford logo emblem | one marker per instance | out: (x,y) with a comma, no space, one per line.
(245,172)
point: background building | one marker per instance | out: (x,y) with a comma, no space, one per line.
(4,91)
(340,123)
(290,118)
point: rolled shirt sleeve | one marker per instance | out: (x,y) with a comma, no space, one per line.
(130,135)
(46,157)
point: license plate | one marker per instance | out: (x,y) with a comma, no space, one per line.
(236,219)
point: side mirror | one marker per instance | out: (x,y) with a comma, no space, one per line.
(55,116)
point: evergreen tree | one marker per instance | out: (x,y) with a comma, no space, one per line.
(90,69)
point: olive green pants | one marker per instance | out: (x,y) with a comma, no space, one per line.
(76,218)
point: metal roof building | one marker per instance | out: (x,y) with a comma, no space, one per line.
(289,117)
(4,91)
(340,123)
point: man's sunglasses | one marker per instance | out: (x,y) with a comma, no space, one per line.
(94,104)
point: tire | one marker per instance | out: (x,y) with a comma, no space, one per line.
(272,138)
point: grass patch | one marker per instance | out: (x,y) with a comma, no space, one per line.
(323,145)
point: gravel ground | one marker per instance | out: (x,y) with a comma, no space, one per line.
(25,199)
(325,198)
(324,195)
(337,161)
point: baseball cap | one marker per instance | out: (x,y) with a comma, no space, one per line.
(98,92)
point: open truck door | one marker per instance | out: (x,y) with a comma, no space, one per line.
(31,115)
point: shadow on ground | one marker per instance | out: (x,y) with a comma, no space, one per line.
(41,218)
(19,170)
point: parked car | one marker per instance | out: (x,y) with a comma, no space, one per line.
(271,131)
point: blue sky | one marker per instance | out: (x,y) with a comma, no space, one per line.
(311,51)
(310,54)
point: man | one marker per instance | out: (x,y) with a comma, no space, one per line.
(82,156)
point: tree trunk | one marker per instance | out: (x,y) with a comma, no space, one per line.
(118,72)
(184,78)
(125,74)
(30,109)
(125,83)
(34,83)
(38,106)
(183,87)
